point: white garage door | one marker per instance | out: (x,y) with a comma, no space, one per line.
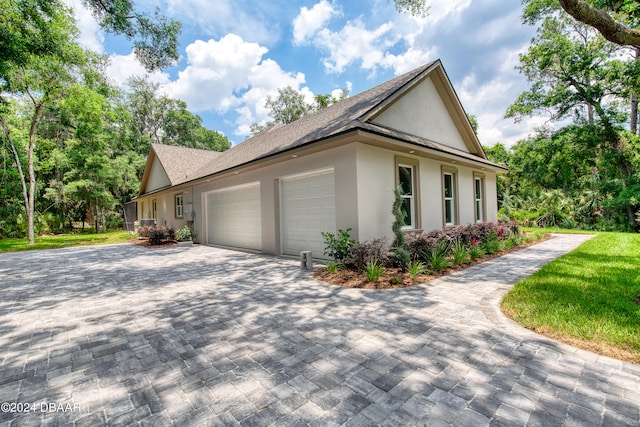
(233,217)
(308,206)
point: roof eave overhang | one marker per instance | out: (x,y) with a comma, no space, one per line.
(381,140)
(365,136)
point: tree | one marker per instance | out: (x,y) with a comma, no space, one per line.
(37,78)
(155,38)
(156,118)
(614,30)
(413,7)
(290,105)
(575,73)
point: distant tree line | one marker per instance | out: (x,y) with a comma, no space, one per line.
(586,172)
(72,146)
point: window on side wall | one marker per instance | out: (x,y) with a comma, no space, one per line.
(154,209)
(407,179)
(478,191)
(450,197)
(179,206)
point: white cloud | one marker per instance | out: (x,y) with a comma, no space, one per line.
(444,10)
(489,101)
(231,74)
(310,21)
(91,36)
(219,17)
(354,43)
(412,58)
(122,67)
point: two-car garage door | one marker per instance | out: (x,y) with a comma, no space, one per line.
(307,207)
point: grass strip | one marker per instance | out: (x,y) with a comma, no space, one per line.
(589,298)
(64,241)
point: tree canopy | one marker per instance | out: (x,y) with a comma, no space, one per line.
(291,105)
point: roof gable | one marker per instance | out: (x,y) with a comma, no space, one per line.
(168,166)
(421,111)
(429,108)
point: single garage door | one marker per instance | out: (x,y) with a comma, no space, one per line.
(234,217)
(308,207)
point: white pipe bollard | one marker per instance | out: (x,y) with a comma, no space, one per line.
(306,260)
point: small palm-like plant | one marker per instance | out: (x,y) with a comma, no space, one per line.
(415,268)
(374,270)
(476,251)
(459,252)
(438,257)
(333,267)
(492,245)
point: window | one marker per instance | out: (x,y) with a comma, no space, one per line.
(449,196)
(407,179)
(142,210)
(179,206)
(154,212)
(479,199)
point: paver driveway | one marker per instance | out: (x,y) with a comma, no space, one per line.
(123,335)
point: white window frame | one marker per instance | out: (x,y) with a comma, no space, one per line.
(154,209)
(452,199)
(179,205)
(478,191)
(414,222)
(411,220)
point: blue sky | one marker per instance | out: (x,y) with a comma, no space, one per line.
(234,53)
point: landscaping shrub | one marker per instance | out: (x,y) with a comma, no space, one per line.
(420,248)
(400,258)
(460,252)
(333,267)
(184,233)
(337,246)
(492,245)
(362,253)
(416,268)
(157,235)
(476,251)
(437,258)
(374,270)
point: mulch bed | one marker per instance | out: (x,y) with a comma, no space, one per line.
(145,243)
(393,278)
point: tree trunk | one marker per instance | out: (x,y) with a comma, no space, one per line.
(633,126)
(31,168)
(633,123)
(16,157)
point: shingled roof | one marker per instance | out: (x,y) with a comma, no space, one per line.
(350,114)
(338,118)
(177,162)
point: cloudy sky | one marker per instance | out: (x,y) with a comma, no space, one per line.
(236,52)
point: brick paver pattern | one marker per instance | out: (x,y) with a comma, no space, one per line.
(123,335)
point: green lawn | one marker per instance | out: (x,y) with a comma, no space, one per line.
(589,298)
(65,241)
(557,230)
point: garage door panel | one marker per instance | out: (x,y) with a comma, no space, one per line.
(234,217)
(307,209)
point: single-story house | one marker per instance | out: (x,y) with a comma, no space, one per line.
(333,169)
